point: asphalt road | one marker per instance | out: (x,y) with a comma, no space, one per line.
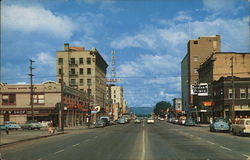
(159,141)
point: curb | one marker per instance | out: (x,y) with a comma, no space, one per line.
(29,139)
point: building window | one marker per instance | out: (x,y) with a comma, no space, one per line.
(88,60)
(73,81)
(89,81)
(195,42)
(80,60)
(38,99)
(242,93)
(114,96)
(72,61)
(114,101)
(72,71)
(89,91)
(59,71)
(230,93)
(81,90)
(196,58)
(81,82)
(114,91)
(60,61)
(88,71)
(248,93)
(9,99)
(81,71)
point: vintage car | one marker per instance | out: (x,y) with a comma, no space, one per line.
(137,121)
(12,125)
(150,121)
(99,123)
(189,122)
(31,125)
(241,127)
(219,124)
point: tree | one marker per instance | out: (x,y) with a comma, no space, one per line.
(160,108)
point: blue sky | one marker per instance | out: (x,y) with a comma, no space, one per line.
(149,36)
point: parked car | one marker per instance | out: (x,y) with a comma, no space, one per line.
(106,119)
(137,121)
(219,124)
(99,123)
(150,121)
(31,125)
(3,127)
(241,127)
(189,122)
(12,125)
(121,121)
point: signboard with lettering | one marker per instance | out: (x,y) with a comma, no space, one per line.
(199,89)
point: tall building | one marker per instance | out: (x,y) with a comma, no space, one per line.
(197,51)
(84,70)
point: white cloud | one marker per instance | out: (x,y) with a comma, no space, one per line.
(183,16)
(174,38)
(36,19)
(45,59)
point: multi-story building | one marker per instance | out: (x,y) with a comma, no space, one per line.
(222,64)
(223,97)
(15,100)
(197,51)
(84,70)
(177,104)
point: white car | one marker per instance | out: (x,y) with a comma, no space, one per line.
(150,121)
(242,126)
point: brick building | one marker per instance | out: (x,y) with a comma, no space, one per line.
(15,102)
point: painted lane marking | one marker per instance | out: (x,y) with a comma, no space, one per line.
(59,151)
(225,148)
(143,145)
(87,140)
(246,155)
(210,142)
(39,159)
(95,137)
(75,144)
(198,137)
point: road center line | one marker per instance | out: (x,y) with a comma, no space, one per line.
(75,144)
(143,145)
(210,142)
(59,151)
(225,148)
(87,140)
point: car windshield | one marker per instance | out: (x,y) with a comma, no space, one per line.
(220,120)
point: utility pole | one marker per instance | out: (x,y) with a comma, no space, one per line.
(60,115)
(31,89)
(232,114)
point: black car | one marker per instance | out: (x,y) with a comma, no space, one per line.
(99,123)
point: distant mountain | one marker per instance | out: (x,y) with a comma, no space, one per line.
(142,110)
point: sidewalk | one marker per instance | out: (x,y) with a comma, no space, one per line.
(26,135)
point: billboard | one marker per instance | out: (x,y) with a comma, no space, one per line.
(199,89)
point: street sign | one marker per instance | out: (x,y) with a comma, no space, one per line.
(199,89)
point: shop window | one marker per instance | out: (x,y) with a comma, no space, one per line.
(38,99)
(9,99)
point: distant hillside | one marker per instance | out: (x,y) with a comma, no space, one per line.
(142,110)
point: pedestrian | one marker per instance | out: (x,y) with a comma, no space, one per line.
(51,128)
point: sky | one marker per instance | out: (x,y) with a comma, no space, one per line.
(149,36)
